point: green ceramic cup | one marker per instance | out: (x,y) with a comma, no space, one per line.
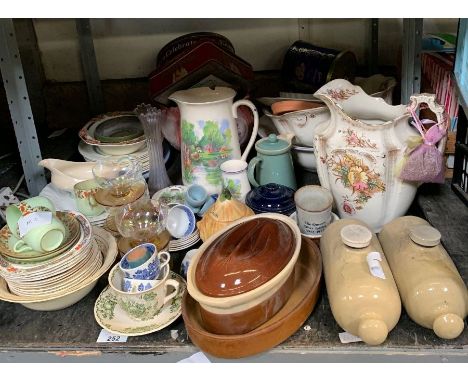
(84,197)
(27,206)
(44,238)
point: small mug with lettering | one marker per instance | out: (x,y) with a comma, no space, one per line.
(313,206)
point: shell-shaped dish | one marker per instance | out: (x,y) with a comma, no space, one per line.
(220,215)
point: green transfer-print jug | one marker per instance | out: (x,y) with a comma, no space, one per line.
(209,134)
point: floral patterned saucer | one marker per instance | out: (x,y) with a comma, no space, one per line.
(171,195)
(111,317)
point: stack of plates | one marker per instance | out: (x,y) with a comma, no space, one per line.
(72,236)
(93,153)
(93,149)
(109,226)
(185,242)
(113,121)
(64,280)
(99,220)
(53,272)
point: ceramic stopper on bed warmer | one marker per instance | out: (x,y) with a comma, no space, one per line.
(431,289)
(244,258)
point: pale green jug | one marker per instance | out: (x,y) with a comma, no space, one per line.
(273,163)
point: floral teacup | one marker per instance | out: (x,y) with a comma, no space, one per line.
(143,305)
(135,285)
(84,197)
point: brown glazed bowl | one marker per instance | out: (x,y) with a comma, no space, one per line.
(244,274)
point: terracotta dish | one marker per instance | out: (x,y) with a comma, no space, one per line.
(287,321)
(282,107)
(222,272)
(264,267)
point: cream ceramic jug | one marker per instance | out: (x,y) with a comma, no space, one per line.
(363,296)
(432,291)
(66,174)
(359,149)
(209,134)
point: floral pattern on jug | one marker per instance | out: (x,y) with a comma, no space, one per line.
(362,181)
(341,94)
(353,140)
(203,156)
(234,187)
(360,148)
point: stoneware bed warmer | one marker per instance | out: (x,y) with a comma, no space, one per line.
(432,291)
(363,295)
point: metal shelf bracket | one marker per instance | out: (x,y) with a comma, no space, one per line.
(20,108)
(411,58)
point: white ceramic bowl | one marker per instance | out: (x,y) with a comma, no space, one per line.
(180,221)
(301,123)
(128,147)
(121,149)
(305,157)
(68,297)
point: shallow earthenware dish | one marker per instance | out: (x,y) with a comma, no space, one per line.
(282,325)
(223,311)
(289,106)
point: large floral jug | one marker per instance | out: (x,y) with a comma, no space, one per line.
(361,148)
(209,133)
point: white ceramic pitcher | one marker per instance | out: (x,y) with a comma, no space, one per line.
(359,149)
(209,134)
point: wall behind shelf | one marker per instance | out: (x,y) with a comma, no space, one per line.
(127,48)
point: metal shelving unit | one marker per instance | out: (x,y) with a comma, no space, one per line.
(20,108)
(79,339)
(460,170)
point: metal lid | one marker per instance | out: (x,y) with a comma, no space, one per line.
(272,145)
(425,235)
(356,236)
